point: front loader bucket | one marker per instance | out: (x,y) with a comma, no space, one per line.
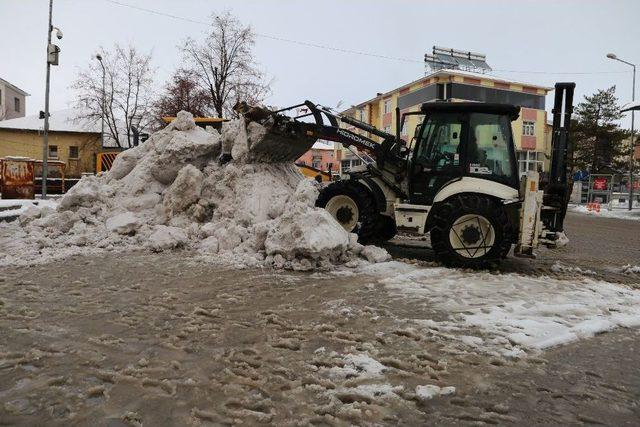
(280,144)
(286,138)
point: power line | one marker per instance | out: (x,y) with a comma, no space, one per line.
(267,36)
(351,51)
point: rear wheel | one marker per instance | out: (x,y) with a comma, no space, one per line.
(470,230)
(353,206)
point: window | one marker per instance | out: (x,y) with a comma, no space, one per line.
(53,151)
(387,106)
(316,162)
(489,146)
(73,152)
(440,145)
(349,163)
(387,129)
(362,115)
(405,127)
(16,104)
(530,161)
(529,128)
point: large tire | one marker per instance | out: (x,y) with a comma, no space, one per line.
(353,206)
(470,230)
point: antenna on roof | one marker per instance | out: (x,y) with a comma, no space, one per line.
(452,59)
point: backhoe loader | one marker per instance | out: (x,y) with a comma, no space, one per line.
(457,179)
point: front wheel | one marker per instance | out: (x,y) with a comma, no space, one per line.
(470,230)
(352,205)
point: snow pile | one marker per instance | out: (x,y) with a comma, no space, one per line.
(509,314)
(171,192)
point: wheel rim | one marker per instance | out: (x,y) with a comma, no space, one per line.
(472,236)
(345,210)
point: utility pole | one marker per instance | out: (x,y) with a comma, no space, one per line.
(52,59)
(632,148)
(45,144)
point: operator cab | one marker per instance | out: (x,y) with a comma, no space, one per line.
(462,139)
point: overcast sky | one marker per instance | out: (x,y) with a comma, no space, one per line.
(523,40)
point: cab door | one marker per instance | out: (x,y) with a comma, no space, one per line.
(438,155)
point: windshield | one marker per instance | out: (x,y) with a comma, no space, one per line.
(489,151)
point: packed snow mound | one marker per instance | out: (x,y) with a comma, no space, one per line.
(171,192)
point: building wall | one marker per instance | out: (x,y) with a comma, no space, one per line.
(319,159)
(29,144)
(7,104)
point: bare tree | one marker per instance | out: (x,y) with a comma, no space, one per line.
(127,94)
(183,92)
(224,62)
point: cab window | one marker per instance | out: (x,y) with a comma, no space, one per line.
(489,148)
(439,146)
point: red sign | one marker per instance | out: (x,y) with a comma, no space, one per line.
(600,183)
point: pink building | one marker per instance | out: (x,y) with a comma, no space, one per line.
(321,157)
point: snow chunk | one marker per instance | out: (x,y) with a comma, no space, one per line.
(183,121)
(184,191)
(164,238)
(630,269)
(124,223)
(427,392)
(375,254)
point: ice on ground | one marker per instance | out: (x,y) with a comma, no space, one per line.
(171,192)
(513,314)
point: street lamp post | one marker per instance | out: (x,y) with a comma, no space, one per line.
(99,58)
(52,59)
(631,153)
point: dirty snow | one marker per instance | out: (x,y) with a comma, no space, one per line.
(171,192)
(10,208)
(618,212)
(630,269)
(510,314)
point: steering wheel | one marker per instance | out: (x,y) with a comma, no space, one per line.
(446,156)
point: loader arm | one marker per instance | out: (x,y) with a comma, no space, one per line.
(290,136)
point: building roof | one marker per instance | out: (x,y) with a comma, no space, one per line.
(14,87)
(448,72)
(59,121)
(322,145)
